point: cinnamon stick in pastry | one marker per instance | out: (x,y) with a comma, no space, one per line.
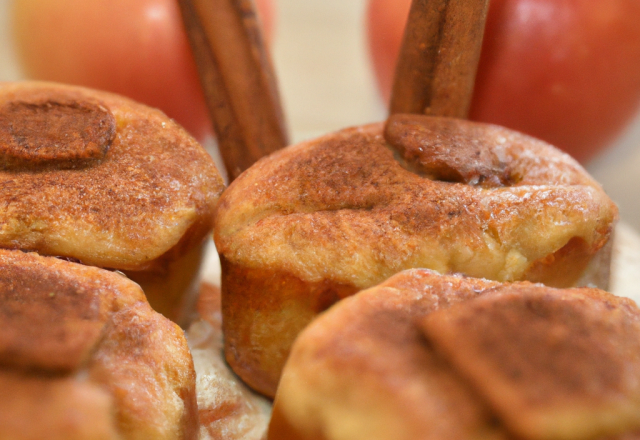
(439,57)
(237,78)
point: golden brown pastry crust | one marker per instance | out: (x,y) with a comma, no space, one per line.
(53,312)
(350,209)
(103,180)
(366,369)
(76,331)
(154,188)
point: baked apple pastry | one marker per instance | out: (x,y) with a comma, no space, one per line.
(105,181)
(83,356)
(428,356)
(319,221)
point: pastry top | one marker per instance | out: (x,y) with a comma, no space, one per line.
(54,312)
(71,331)
(99,178)
(425,356)
(550,363)
(363,203)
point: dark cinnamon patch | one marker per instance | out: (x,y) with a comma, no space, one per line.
(52,312)
(49,322)
(537,353)
(447,150)
(56,132)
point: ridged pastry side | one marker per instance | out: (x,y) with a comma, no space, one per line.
(228,409)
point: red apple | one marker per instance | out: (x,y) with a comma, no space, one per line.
(566,71)
(137,48)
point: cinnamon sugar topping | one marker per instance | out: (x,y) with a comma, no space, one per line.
(446,150)
(58,132)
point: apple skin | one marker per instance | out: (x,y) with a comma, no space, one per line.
(565,71)
(137,48)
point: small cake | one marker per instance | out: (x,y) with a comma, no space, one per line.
(427,356)
(83,356)
(319,221)
(102,180)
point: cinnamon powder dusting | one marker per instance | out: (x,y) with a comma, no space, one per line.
(58,133)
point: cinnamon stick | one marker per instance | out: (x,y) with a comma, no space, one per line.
(238,80)
(439,56)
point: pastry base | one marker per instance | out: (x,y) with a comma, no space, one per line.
(228,409)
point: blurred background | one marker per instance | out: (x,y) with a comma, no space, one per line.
(326,81)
